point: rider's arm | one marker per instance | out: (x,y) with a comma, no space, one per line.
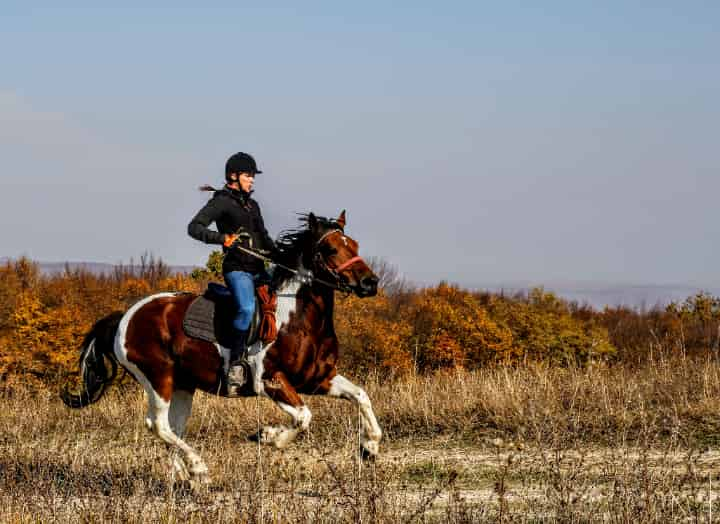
(198,226)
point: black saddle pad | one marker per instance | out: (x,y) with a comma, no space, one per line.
(210,317)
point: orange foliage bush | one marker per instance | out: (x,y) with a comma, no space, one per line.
(682,328)
(368,338)
(43,318)
(452,329)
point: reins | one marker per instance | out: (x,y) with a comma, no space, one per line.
(305,276)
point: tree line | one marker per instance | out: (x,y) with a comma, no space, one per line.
(405,329)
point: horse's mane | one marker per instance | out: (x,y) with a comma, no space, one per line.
(292,243)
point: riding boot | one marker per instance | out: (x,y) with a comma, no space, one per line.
(237,372)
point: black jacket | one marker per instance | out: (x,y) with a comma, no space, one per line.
(233,212)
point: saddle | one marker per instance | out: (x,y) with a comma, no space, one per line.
(210,316)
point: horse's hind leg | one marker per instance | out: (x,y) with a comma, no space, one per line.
(158,421)
(142,347)
(162,423)
(343,388)
(279,389)
(180,408)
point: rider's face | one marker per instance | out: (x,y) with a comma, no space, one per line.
(246,181)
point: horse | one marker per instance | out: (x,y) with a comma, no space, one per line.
(148,340)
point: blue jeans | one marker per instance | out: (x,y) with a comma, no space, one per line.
(242,287)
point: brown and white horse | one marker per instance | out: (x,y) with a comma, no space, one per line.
(148,341)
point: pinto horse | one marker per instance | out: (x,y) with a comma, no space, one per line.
(149,342)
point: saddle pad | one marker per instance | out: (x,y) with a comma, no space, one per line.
(199,319)
(210,319)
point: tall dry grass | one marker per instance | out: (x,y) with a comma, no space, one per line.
(528,444)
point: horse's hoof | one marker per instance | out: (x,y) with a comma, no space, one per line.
(199,472)
(372,446)
(368,455)
(269,434)
(285,437)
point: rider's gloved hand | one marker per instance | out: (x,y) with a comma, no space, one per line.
(229,240)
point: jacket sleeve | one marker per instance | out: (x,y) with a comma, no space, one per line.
(268,242)
(198,226)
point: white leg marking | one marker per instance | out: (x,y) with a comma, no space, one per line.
(301,416)
(343,388)
(281,436)
(158,421)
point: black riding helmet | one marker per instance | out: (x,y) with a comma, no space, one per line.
(240,163)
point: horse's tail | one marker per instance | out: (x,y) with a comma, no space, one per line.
(94,374)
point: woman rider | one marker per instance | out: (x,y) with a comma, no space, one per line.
(238,219)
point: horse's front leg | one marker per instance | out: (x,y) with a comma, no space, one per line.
(278,388)
(343,388)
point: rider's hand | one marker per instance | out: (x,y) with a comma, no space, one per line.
(229,240)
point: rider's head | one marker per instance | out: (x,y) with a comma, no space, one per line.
(240,171)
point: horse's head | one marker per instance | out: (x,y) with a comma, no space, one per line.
(336,254)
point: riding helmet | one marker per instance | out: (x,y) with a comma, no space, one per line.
(241,163)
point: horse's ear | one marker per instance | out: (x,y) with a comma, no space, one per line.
(312,222)
(341,219)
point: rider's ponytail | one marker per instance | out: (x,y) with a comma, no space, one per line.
(207,188)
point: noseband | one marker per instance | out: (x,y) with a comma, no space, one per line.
(334,271)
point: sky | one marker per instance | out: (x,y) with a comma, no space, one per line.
(474,142)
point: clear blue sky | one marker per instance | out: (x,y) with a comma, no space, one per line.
(468,141)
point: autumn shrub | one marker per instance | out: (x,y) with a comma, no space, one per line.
(369,338)
(10,289)
(450,328)
(690,327)
(43,318)
(544,328)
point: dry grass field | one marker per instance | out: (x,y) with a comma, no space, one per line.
(525,444)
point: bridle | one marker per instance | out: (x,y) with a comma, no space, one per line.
(322,262)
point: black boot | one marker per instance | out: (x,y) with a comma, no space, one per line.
(237,369)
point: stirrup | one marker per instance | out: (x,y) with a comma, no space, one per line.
(238,374)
